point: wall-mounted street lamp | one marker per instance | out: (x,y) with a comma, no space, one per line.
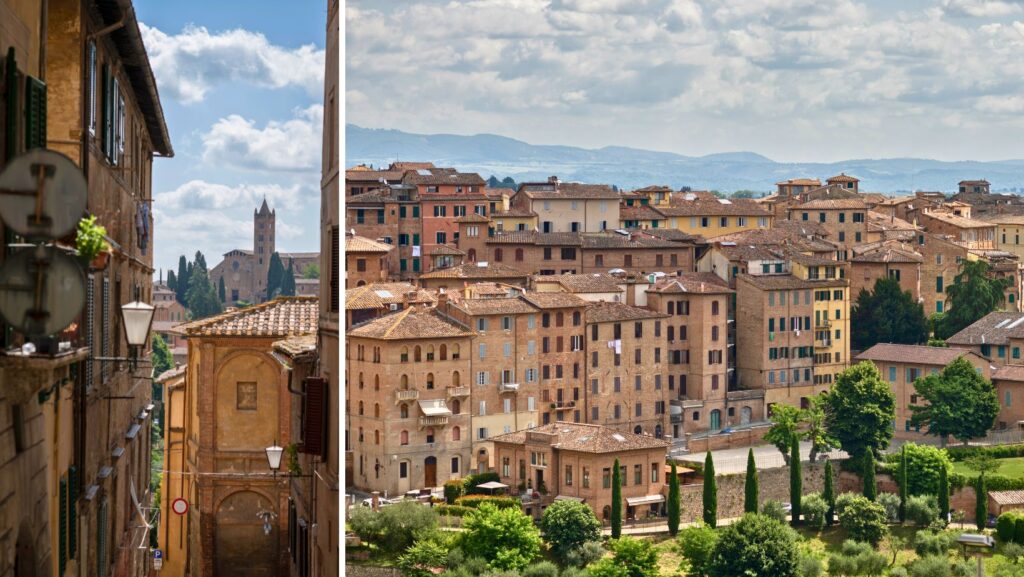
(137,318)
(274,454)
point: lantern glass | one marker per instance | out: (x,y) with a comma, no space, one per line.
(138,319)
(274,457)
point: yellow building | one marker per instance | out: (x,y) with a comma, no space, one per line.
(506,218)
(1010,233)
(173,528)
(702,213)
(831,317)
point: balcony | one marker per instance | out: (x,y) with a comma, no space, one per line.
(744,394)
(508,388)
(434,421)
(822,343)
(462,391)
(559,405)
(406,395)
(692,403)
(822,324)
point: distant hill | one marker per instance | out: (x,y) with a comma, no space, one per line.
(626,167)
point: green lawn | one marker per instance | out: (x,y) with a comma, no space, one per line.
(1012,467)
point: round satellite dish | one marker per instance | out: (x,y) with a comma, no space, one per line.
(42,290)
(42,194)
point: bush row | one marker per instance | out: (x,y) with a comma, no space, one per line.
(455,488)
(996,451)
(499,501)
(1010,527)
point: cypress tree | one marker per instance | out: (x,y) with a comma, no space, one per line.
(795,478)
(275,276)
(673,502)
(288,282)
(870,488)
(710,493)
(944,493)
(182,281)
(829,494)
(903,484)
(616,502)
(981,503)
(750,487)
(220,290)
(172,281)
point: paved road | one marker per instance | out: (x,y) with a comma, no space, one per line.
(731,461)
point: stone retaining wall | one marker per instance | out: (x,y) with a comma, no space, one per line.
(773,484)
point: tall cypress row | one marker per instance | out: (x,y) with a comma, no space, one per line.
(903,484)
(710,493)
(750,489)
(616,501)
(981,503)
(673,502)
(870,488)
(829,494)
(795,478)
(944,494)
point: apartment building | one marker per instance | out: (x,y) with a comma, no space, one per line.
(654,195)
(390,215)
(702,213)
(379,299)
(997,336)
(445,194)
(473,272)
(568,206)
(575,461)
(409,416)
(883,227)
(366,261)
(844,218)
(974,186)
(592,287)
(885,259)
(626,349)
(1008,233)
(967,232)
(901,365)
(641,216)
(363,179)
(561,356)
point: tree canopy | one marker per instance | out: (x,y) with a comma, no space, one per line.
(567,525)
(275,276)
(859,410)
(312,271)
(506,538)
(181,286)
(755,545)
(785,423)
(972,295)
(888,314)
(201,295)
(162,358)
(961,402)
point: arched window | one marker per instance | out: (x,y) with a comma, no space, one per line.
(404,382)
(497,255)
(430,381)
(472,255)
(714,333)
(376,382)
(456,407)
(360,434)
(638,429)
(519,255)
(444,352)
(430,352)
(376,437)
(455,352)
(559,319)
(403,438)
(376,410)
(360,283)
(455,378)
(403,411)
(577,318)
(360,379)
(417,354)
(714,307)
(456,434)
(360,407)
(405,354)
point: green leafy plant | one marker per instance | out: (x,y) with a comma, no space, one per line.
(697,545)
(863,519)
(567,525)
(294,467)
(814,509)
(750,489)
(89,239)
(755,545)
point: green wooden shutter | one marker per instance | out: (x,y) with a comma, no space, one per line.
(101,540)
(62,540)
(11,102)
(108,112)
(72,512)
(35,113)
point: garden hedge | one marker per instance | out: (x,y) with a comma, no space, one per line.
(499,501)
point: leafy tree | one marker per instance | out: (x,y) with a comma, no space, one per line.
(863,519)
(972,295)
(750,489)
(922,510)
(795,480)
(901,477)
(891,503)
(829,494)
(961,402)
(982,463)
(673,502)
(755,545)
(933,543)
(697,545)
(182,281)
(630,558)
(492,182)
(201,295)
(312,271)
(393,528)
(859,410)
(924,466)
(506,538)
(508,182)
(785,424)
(163,360)
(943,496)
(275,276)
(586,554)
(172,281)
(888,314)
(814,509)
(423,556)
(981,503)
(221,293)
(773,510)
(567,525)
(868,477)
(616,513)
(288,282)
(815,431)
(745,194)
(710,495)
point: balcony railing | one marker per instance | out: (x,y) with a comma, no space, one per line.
(823,343)
(406,395)
(435,421)
(508,388)
(567,404)
(745,394)
(822,324)
(461,391)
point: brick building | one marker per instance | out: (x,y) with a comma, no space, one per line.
(885,259)
(843,217)
(366,261)
(568,206)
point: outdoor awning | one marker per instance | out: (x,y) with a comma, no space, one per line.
(434,409)
(680,470)
(492,485)
(569,498)
(645,500)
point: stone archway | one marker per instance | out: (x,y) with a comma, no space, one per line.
(241,549)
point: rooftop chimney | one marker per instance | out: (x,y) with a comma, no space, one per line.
(553,179)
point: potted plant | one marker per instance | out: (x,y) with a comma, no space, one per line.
(93,248)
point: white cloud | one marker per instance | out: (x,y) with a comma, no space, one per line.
(982,8)
(205,196)
(291,145)
(189,64)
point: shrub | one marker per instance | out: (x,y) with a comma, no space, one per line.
(856,558)
(575,572)
(755,545)
(1018,530)
(934,566)
(499,501)
(898,572)
(697,545)
(864,520)
(933,543)
(814,509)
(631,557)
(891,503)
(773,509)
(542,569)
(1005,526)
(425,555)
(922,510)
(1013,551)
(923,464)
(453,510)
(567,525)
(505,538)
(584,555)
(998,451)
(810,566)
(844,499)
(453,489)
(393,528)
(472,481)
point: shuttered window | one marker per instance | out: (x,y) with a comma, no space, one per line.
(108,112)
(292,533)
(35,113)
(72,512)
(11,102)
(314,422)
(90,325)
(62,540)
(105,366)
(335,291)
(92,87)
(101,539)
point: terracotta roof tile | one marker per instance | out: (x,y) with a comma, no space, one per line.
(1009,373)
(363,244)
(493,306)
(889,253)
(554,300)
(582,283)
(800,182)
(295,346)
(993,329)
(513,213)
(605,312)
(380,295)
(411,323)
(474,270)
(472,217)
(842,177)
(780,282)
(642,212)
(445,249)
(442,176)
(957,221)
(696,204)
(691,282)
(567,190)
(918,354)
(831,204)
(585,438)
(281,317)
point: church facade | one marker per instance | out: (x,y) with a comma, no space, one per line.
(245,271)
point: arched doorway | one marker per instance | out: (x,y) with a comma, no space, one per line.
(745,414)
(657,431)
(241,549)
(716,420)
(430,472)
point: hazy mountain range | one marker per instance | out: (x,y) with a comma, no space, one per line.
(489,154)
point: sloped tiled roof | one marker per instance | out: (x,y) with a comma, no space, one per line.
(957,221)
(800,182)
(364,174)
(281,317)
(781,282)
(445,249)
(380,295)
(474,270)
(605,312)
(832,204)
(1009,373)
(471,218)
(889,253)
(363,244)
(553,300)
(411,323)
(618,241)
(642,212)
(995,328)
(697,204)
(672,234)
(917,354)
(691,282)
(587,438)
(843,177)
(567,190)
(537,238)
(442,176)
(493,306)
(513,213)
(582,283)
(295,346)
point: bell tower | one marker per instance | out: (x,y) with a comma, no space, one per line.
(263,245)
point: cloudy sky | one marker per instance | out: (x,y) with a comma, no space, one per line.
(795,80)
(242,89)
